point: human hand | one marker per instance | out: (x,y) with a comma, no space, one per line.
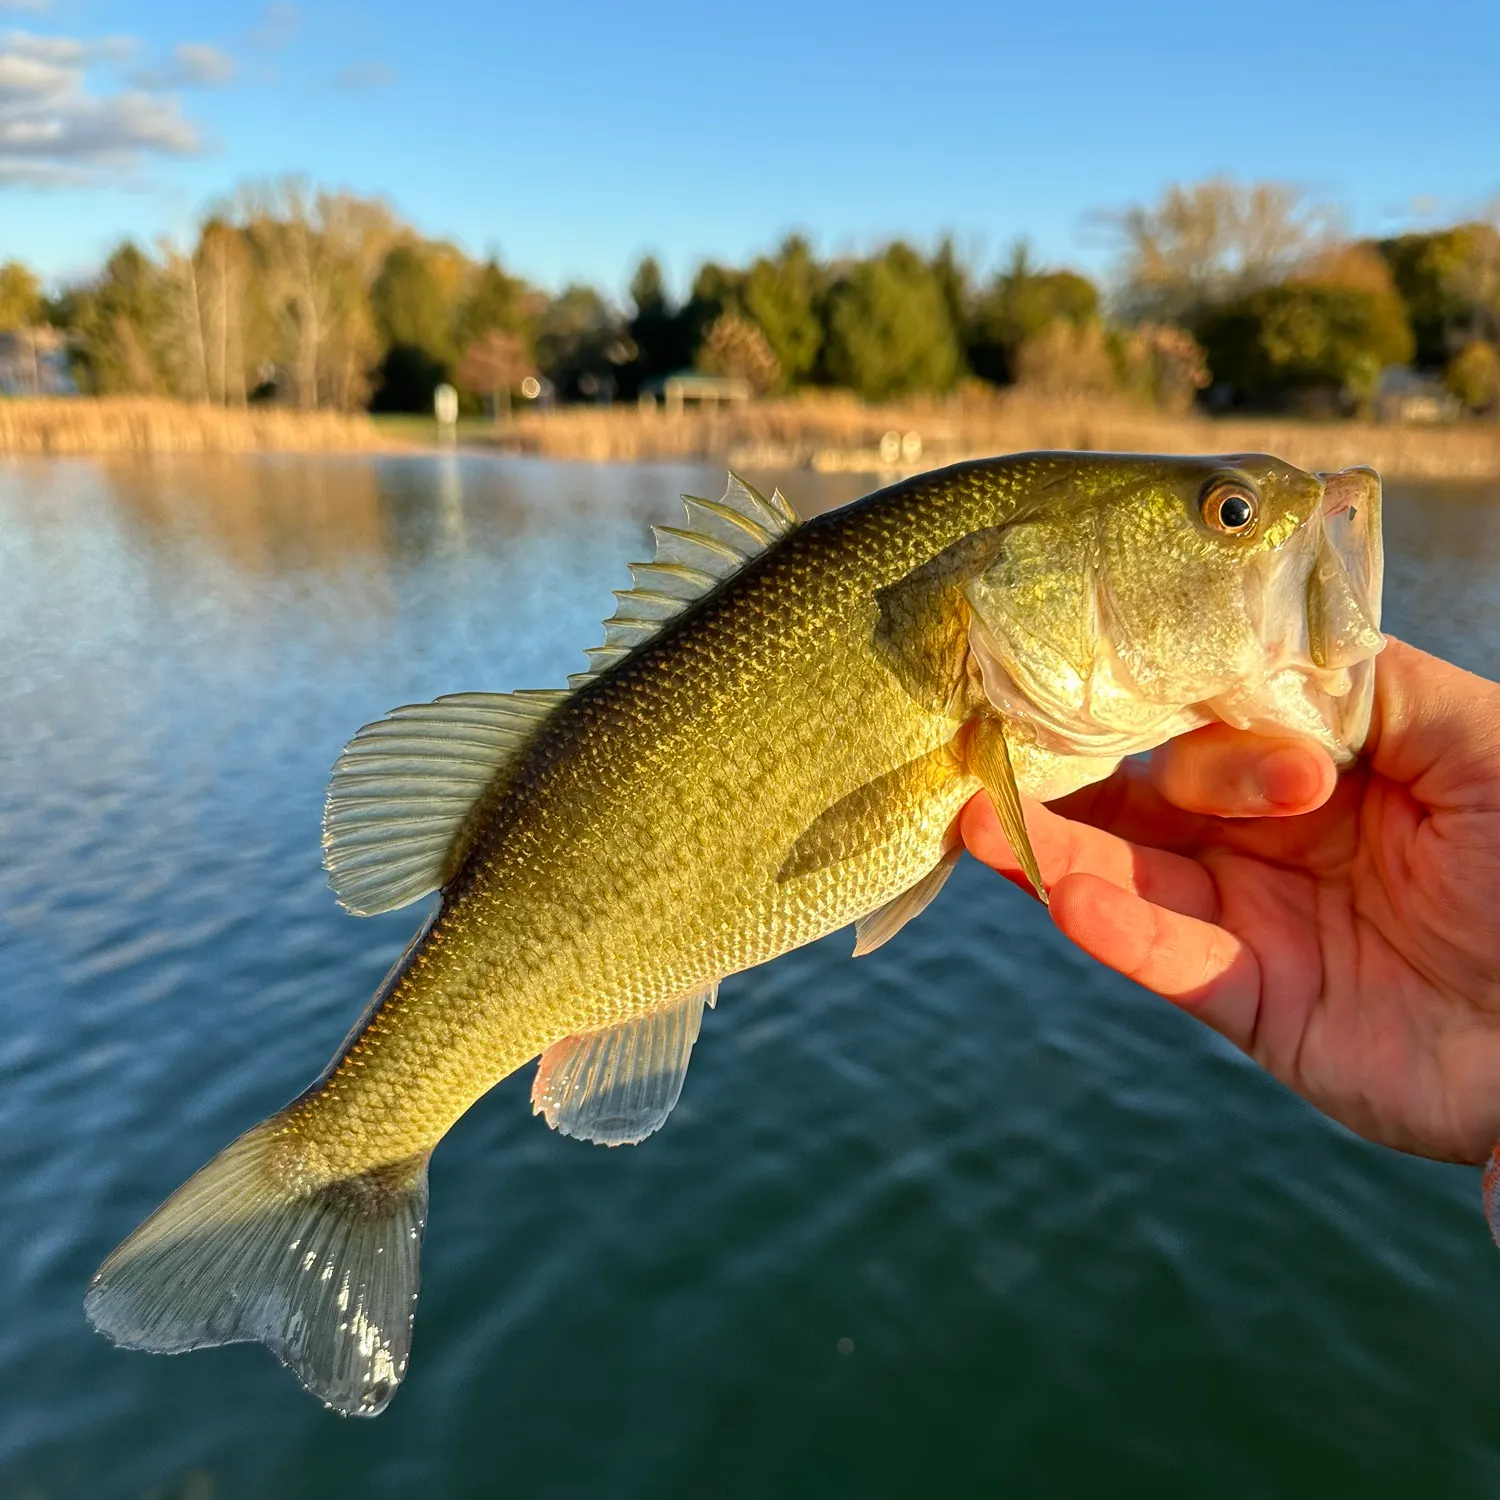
(1343,930)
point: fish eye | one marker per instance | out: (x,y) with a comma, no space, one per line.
(1229,506)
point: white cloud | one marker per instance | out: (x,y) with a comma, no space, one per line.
(197,62)
(68,50)
(56,129)
(279,24)
(364,75)
(193,65)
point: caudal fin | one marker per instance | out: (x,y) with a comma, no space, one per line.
(325,1277)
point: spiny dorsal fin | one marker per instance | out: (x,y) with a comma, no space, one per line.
(614,1087)
(405,785)
(720,538)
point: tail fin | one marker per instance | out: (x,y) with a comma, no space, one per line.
(325,1277)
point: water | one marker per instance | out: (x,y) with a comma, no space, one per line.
(970,1216)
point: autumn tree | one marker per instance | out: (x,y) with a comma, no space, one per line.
(234,325)
(20,297)
(1067,359)
(1161,365)
(1473,376)
(494,365)
(734,346)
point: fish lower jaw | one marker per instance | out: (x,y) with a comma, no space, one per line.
(1330,705)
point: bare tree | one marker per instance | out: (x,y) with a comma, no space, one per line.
(1475,279)
(185,353)
(735,346)
(1211,241)
(223,281)
(318,255)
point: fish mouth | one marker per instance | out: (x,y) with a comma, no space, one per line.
(1344,598)
(1320,624)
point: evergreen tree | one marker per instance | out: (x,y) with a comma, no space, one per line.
(580,344)
(781,295)
(415,322)
(889,333)
(1018,305)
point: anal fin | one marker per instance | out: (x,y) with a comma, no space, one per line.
(989,759)
(882,924)
(615,1087)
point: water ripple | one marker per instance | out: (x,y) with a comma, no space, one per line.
(969,1214)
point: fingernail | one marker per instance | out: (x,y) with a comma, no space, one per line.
(1288,777)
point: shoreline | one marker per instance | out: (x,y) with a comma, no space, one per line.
(837,434)
(828,432)
(79,426)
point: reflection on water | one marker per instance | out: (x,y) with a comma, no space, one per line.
(969,1214)
(1443,571)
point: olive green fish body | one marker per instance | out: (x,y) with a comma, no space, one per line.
(755,779)
(775,741)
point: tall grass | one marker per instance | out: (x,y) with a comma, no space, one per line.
(834,430)
(148,424)
(826,430)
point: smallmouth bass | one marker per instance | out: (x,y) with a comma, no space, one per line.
(774,741)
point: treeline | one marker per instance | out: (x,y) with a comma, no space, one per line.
(1232,295)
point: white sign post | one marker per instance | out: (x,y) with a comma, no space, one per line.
(445,408)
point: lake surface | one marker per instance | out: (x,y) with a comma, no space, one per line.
(971,1216)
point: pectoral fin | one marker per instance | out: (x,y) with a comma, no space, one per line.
(882,924)
(989,759)
(615,1087)
(861,820)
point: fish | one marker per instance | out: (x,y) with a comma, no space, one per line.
(773,742)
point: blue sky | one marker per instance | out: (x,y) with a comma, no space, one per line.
(574,137)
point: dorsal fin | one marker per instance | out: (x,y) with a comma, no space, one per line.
(720,538)
(404,787)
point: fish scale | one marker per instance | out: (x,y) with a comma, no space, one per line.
(581,904)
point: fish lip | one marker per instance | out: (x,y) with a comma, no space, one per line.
(1350,517)
(1345,488)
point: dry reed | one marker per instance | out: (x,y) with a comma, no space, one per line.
(824,430)
(836,431)
(147,424)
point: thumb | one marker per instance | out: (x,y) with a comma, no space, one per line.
(1227,773)
(1436,729)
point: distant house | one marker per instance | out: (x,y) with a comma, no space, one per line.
(34,362)
(684,386)
(1405,395)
